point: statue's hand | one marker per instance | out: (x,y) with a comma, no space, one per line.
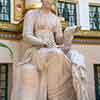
(60,46)
(41,45)
(45,45)
(72,29)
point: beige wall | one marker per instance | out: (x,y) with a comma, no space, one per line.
(94,1)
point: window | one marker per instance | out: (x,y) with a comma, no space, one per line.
(97,80)
(3,81)
(94,14)
(68,11)
(4,10)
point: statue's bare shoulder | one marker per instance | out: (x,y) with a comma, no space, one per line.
(55,17)
(32,12)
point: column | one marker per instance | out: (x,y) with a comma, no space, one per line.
(84,14)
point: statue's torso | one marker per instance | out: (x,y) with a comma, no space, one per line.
(43,21)
(44,27)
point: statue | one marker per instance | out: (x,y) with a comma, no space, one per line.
(45,71)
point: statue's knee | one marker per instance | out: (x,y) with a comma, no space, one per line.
(29,67)
(30,74)
(55,51)
(29,71)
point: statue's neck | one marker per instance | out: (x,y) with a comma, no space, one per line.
(45,11)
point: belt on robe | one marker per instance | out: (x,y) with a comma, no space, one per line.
(44,31)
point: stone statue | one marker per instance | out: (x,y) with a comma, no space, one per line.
(45,71)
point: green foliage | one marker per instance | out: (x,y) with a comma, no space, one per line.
(5,46)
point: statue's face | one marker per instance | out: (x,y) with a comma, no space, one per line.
(47,3)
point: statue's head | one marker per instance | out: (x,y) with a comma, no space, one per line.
(47,3)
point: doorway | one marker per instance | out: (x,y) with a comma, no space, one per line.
(97,80)
(5,81)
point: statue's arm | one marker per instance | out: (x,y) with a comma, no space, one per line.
(72,29)
(28,27)
(58,32)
